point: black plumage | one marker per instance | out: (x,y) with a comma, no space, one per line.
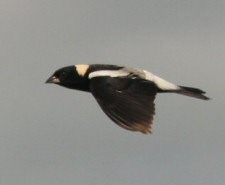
(128,102)
(126,95)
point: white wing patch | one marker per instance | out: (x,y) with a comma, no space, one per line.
(110,73)
(161,83)
(82,69)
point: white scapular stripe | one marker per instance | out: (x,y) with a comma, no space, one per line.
(109,73)
(161,83)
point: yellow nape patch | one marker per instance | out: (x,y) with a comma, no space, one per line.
(82,69)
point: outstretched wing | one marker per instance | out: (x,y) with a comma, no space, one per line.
(128,101)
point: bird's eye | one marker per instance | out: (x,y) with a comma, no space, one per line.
(63,74)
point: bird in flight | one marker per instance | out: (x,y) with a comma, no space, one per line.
(126,95)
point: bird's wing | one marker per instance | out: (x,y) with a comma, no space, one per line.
(128,101)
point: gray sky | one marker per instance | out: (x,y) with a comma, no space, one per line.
(51,135)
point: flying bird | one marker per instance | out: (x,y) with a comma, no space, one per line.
(126,95)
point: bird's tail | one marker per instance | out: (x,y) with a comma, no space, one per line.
(192,92)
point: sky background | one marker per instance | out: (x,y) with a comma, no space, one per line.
(50,135)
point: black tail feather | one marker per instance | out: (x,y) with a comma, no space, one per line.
(192,92)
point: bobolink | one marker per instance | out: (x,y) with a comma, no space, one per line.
(126,95)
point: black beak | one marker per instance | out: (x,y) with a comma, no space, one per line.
(53,80)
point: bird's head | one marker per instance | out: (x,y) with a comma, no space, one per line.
(73,77)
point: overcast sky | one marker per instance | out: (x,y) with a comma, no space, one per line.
(50,135)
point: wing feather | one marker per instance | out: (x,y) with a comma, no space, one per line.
(129,102)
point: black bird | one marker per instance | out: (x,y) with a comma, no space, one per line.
(126,95)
